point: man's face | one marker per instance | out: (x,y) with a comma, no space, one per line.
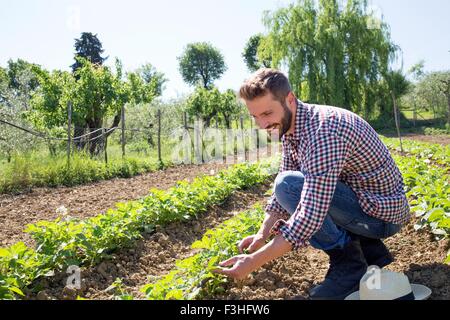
(270,114)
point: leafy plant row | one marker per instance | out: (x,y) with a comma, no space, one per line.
(70,241)
(193,277)
(428,188)
(425,151)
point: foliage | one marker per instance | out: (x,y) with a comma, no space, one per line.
(201,63)
(427,181)
(89,47)
(209,103)
(96,92)
(193,277)
(250,54)
(336,54)
(430,93)
(17,83)
(70,241)
(25,172)
(427,188)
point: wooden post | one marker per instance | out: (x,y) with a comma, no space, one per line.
(69,129)
(216,149)
(123,131)
(192,140)
(243,137)
(235,147)
(397,124)
(159,137)
(105,139)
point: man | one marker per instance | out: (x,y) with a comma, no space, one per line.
(338,188)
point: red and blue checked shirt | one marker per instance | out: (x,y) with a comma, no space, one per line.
(331,144)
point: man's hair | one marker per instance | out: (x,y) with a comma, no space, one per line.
(266,81)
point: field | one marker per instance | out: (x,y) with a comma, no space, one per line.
(164,245)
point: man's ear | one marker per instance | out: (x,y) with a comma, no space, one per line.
(291,98)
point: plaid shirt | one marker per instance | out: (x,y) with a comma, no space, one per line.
(331,144)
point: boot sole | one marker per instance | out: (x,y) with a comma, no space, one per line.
(341,297)
(382,262)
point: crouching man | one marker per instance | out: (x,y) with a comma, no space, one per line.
(338,188)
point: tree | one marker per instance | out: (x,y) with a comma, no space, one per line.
(96,93)
(336,54)
(87,47)
(201,63)
(90,48)
(16,84)
(250,54)
(432,93)
(149,74)
(417,70)
(20,80)
(210,103)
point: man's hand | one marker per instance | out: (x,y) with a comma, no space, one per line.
(252,243)
(241,266)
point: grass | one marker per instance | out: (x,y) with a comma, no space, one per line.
(36,169)
(39,169)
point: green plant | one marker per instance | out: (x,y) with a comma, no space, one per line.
(193,277)
(68,241)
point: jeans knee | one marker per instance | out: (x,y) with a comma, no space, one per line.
(286,182)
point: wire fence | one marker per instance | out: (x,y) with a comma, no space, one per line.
(175,138)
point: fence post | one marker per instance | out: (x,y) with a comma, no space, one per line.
(243,137)
(159,138)
(69,129)
(105,139)
(257,141)
(191,140)
(123,131)
(397,123)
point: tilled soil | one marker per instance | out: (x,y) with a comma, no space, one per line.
(289,277)
(152,256)
(16,211)
(443,139)
(293,275)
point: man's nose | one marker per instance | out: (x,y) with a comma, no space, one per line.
(262,124)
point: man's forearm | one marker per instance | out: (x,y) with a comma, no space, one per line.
(269,221)
(272,250)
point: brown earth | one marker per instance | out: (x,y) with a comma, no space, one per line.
(290,277)
(16,211)
(152,256)
(439,139)
(293,275)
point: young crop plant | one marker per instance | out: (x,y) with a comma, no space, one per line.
(193,277)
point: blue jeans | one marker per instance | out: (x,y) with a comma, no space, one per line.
(345,213)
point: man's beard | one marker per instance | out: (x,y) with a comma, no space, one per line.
(286,120)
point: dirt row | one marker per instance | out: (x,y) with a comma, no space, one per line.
(152,256)
(16,211)
(293,275)
(289,277)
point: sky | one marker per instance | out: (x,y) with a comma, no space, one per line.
(157,32)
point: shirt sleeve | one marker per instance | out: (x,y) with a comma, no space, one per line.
(273,207)
(324,161)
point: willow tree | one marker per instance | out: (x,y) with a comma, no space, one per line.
(336,54)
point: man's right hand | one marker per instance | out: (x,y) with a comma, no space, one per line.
(252,243)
